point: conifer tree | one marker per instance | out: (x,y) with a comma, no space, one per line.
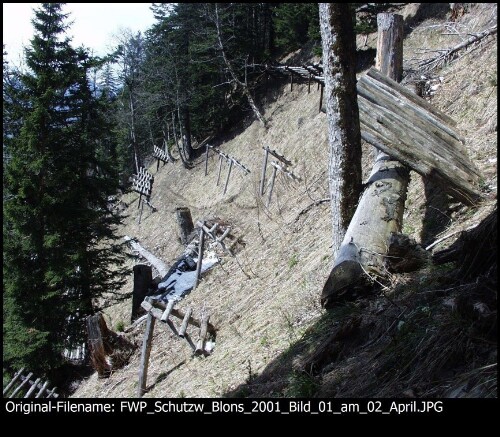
(59,228)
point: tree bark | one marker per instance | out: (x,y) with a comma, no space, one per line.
(361,256)
(344,137)
(142,281)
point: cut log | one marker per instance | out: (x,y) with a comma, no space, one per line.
(155,262)
(185,222)
(200,346)
(200,257)
(145,352)
(361,256)
(142,282)
(168,310)
(185,322)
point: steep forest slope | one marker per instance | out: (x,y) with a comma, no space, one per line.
(412,338)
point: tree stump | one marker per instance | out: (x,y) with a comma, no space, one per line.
(143,277)
(185,222)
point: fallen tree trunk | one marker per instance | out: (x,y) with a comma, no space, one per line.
(157,263)
(361,256)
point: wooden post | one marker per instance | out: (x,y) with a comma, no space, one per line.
(228,174)
(309,84)
(32,389)
(380,209)
(145,352)
(20,386)
(185,222)
(263,176)
(166,313)
(42,390)
(291,82)
(220,168)
(185,322)
(321,98)
(13,381)
(206,159)
(143,277)
(203,333)
(200,258)
(273,177)
(140,213)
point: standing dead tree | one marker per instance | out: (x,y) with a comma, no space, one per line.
(344,137)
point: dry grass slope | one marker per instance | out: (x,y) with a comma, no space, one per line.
(265,302)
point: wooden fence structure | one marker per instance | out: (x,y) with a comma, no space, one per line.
(27,386)
(224,157)
(158,310)
(143,184)
(160,155)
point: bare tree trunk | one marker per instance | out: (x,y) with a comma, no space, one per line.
(230,68)
(132,133)
(179,148)
(344,137)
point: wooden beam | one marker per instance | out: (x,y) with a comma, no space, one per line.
(200,258)
(32,389)
(278,156)
(220,168)
(273,177)
(42,390)
(20,386)
(185,322)
(13,381)
(145,352)
(206,159)
(285,171)
(228,175)
(200,346)
(155,262)
(168,310)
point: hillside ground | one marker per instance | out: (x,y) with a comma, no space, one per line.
(407,340)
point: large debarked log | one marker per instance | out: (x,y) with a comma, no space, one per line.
(380,210)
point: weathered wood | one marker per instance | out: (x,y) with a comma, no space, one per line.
(20,386)
(220,169)
(206,159)
(278,156)
(145,352)
(263,175)
(99,349)
(42,390)
(285,171)
(273,177)
(361,256)
(134,325)
(168,310)
(13,381)
(52,393)
(200,346)
(200,258)
(228,175)
(143,278)
(185,222)
(218,240)
(150,306)
(32,388)
(185,322)
(155,262)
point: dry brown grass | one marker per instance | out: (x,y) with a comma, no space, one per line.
(265,300)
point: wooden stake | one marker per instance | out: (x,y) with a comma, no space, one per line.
(166,313)
(291,82)
(263,176)
(185,322)
(228,174)
(203,333)
(220,168)
(273,177)
(32,389)
(145,352)
(309,84)
(200,258)
(206,160)
(321,98)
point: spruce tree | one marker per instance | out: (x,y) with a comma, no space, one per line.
(59,229)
